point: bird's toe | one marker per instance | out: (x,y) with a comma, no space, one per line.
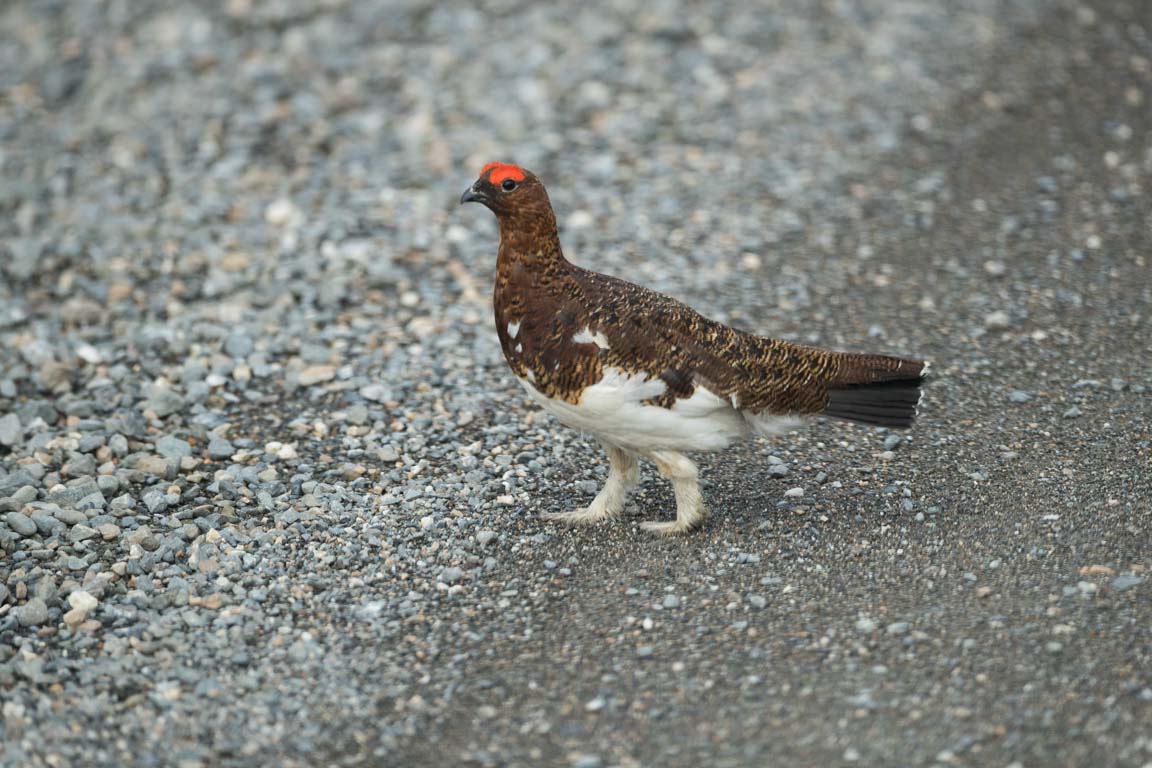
(674,528)
(582,516)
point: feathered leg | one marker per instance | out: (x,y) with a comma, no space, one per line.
(623,475)
(686,485)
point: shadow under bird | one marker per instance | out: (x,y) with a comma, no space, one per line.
(650,377)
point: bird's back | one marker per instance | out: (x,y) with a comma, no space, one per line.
(581,328)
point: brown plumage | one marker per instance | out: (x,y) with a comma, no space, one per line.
(647,374)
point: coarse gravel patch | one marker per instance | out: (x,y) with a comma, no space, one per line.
(269,497)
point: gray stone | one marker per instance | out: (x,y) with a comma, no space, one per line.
(156,501)
(92,502)
(451,575)
(220,449)
(377,393)
(164,402)
(70,516)
(14,481)
(238,344)
(25,494)
(79,464)
(20,523)
(47,525)
(81,532)
(11,432)
(118,444)
(1126,581)
(358,414)
(76,490)
(484,538)
(1019,396)
(92,443)
(32,614)
(173,448)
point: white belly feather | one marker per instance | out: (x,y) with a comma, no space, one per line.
(613,410)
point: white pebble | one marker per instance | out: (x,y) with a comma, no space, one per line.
(998,321)
(82,601)
(281,213)
(580,220)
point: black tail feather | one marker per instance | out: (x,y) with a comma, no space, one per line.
(882,403)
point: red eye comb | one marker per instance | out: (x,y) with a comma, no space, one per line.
(498,172)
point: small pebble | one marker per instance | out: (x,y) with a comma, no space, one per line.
(20,523)
(998,321)
(32,614)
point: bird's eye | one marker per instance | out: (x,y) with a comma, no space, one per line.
(508,185)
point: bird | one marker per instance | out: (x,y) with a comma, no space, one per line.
(649,377)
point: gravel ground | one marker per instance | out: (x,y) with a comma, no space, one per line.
(269,497)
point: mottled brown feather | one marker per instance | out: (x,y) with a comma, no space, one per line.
(553,301)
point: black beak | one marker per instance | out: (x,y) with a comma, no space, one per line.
(471,196)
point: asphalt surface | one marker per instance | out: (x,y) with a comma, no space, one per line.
(248,209)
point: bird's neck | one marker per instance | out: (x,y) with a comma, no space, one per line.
(529,239)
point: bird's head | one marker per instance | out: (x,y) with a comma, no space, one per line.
(508,191)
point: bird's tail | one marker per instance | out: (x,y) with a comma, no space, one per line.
(875,389)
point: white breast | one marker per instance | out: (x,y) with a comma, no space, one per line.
(614,411)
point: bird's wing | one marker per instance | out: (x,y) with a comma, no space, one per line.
(650,332)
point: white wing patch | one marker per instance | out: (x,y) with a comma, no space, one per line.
(513,329)
(587,337)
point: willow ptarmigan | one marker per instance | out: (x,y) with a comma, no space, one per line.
(648,376)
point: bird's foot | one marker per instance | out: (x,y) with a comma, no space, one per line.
(674,528)
(583,516)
